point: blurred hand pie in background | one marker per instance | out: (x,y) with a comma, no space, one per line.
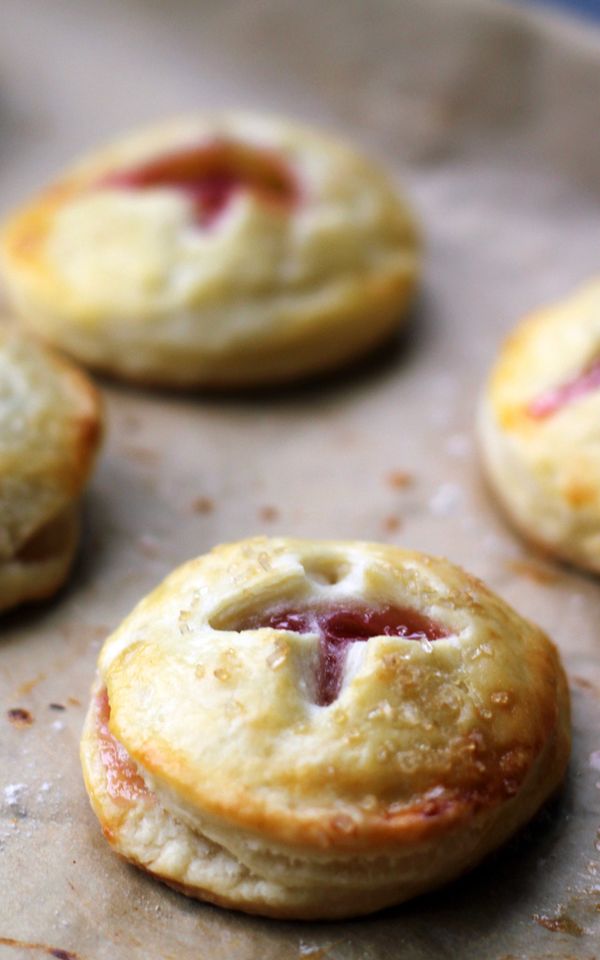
(50,427)
(225,251)
(539,428)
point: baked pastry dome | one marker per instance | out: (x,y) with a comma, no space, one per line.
(320,729)
(215,251)
(539,427)
(50,425)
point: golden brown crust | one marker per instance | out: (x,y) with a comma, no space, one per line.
(262,297)
(50,430)
(431,754)
(538,429)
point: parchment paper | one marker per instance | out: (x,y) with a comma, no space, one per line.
(492,117)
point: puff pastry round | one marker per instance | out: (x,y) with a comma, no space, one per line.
(214,251)
(540,428)
(50,425)
(320,729)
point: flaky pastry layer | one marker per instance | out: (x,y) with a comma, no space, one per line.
(255,796)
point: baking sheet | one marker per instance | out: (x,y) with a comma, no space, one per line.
(491,117)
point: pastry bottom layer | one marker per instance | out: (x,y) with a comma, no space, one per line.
(261,877)
(40,566)
(171,351)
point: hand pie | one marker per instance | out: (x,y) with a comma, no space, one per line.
(321,729)
(50,425)
(214,252)
(540,428)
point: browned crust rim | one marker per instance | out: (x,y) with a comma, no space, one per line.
(413,823)
(543,783)
(26,228)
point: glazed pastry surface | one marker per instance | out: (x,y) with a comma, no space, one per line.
(321,729)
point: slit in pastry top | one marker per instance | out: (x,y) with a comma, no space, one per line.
(210,175)
(555,398)
(341,625)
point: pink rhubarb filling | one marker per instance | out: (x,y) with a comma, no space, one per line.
(211,175)
(342,625)
(554,399)
(338,628)
(123,782)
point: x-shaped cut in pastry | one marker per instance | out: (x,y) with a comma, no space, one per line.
(340,626)
(211,174)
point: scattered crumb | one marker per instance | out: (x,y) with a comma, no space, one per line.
(440,417)
(458,445)
(559,924)
(391,524)
(83,631)
(43,791)
(130,423)
(400,479)
(533,570)
(347,436)
(446,499)
(268,514)
(19,717)
(58,725)
(56,706)
(584,684)
(494,544)
(314,952)
(13,794)
(73,701)
(203,505)
(28,685)
(149,546)
(142,455)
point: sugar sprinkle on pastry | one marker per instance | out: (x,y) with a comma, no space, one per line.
(319,729)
